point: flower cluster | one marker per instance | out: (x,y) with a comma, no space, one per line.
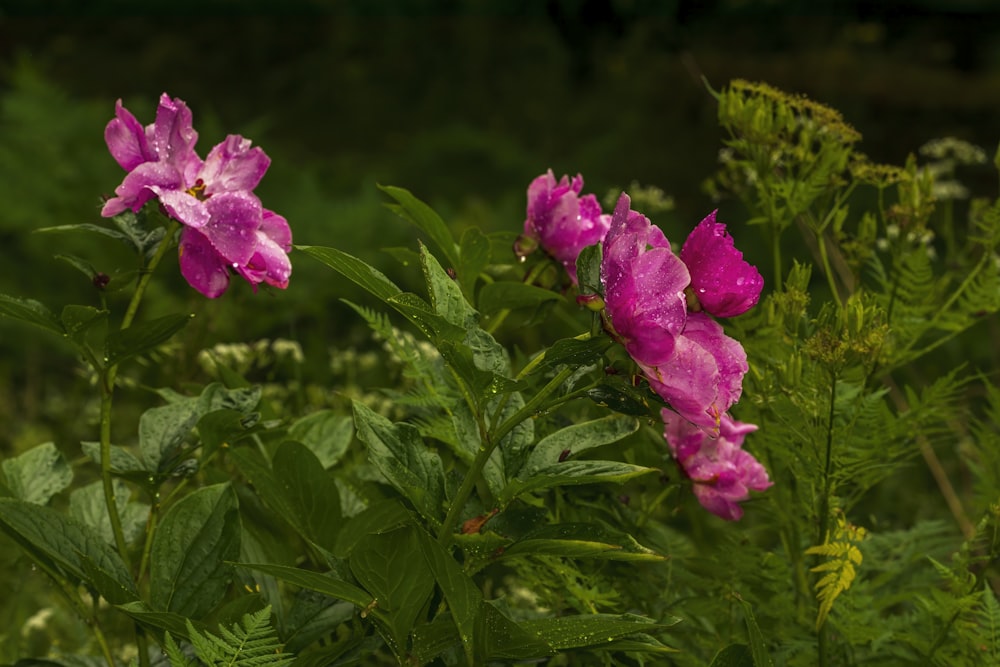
(561,221)
(225,227)
(660,307)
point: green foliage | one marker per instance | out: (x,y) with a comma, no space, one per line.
(250,643)
(840,568)
(507,496)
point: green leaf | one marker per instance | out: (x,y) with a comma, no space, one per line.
(167,621)
(357,271)
(88,506)
(326,433)
(568,632)
(162,431)
(310,492)
(734,655)
(758,647)
(222,427)
(573,352)
(86,326)
(624,398)
(188,570)
(314,581)
(90,229)
(497,296)
(474,255)
(401,584)
(31,311)
(581,540)
(464,598)
(143,337)
(400,454)
(572,440)
(424,217)
(572,473)
(123,462)
(588,270)
(445,294)
(380,517)
(506,640)
(38,474)
(67,543)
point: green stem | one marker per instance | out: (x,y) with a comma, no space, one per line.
(827,269)
(529,279)
(824,517)
(489,445)
(108,390)
(107,386)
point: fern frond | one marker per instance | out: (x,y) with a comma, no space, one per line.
(174,653)
(845,556)
(250,643)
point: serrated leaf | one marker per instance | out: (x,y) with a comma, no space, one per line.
(507,294)
(67,543)
(31,311)
(356,270)
(572,473)
(401,584)
(37,474)
(400,454)
(143,337)
(424,217)
(189,574)
(572,440)
(326,433)
(310,492)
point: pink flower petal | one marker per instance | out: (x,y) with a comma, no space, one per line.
(126,139)
(233,165)
(725,284)
(563,222)
(232,229)
(722,473)
(203,267)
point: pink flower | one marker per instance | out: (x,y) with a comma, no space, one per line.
(704,376)
(561,221)
(723,474)
(723,282)
(225,226)
(686,357)
(157,155)
(643,288)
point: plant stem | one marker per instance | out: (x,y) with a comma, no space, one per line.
(489,445)
(824,516)
(107,396)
